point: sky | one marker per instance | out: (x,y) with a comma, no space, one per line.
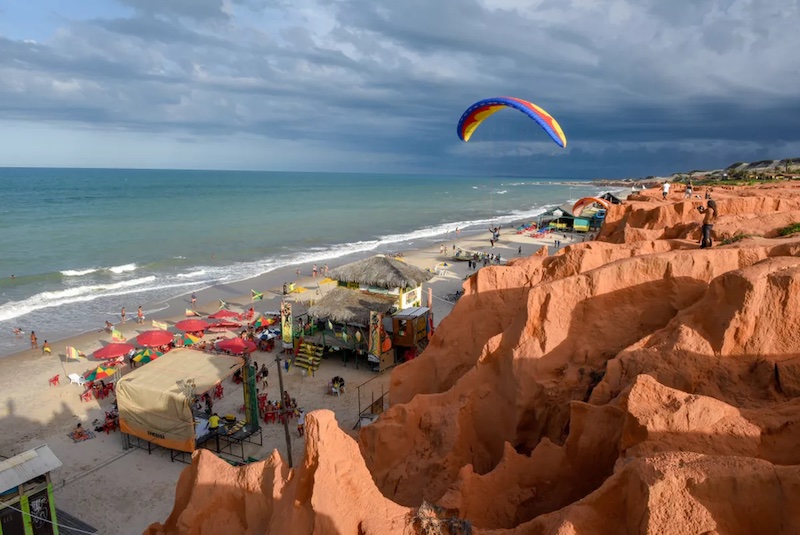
(644,87)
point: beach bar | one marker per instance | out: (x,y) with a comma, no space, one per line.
(153,402)
(383,275)
(371,288)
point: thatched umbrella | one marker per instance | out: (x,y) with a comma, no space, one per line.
(383,272)
(350,307)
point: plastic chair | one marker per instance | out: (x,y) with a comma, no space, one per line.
(86,396)
(218,391)
(74,378)
(54,380)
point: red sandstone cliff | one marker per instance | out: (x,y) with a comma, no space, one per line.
(635,384)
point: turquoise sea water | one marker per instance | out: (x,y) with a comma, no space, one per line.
(81,243)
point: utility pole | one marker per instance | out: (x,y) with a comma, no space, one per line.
(284,412)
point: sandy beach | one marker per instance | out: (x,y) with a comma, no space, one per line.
(123,491)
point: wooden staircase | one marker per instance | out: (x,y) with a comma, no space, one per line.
(308,357)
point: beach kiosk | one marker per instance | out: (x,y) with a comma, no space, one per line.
(368,291)
(155,401)
(26,493)
(384,275)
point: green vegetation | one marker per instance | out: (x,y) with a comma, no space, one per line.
(431,519)
(737,237)
(789,230)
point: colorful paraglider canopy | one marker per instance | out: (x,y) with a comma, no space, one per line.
(586,202)
(482,109)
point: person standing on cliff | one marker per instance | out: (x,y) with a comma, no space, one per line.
(710,214)
(665,190)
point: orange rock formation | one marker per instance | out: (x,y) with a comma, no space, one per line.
(634,384)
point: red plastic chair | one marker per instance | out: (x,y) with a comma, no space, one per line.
(110,425)
(218,390)
(269,416)
(86,396)
(54,380)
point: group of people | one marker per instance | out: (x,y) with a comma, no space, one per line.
(139,316)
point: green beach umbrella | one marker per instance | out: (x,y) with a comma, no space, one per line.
(101,372)
(143,356)
(190,340)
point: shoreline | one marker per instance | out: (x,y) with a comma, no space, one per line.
(40,413)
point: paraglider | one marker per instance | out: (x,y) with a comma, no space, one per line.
(482,109)
(586,202)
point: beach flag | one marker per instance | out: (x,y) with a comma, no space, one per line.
(330,325)
(160,325)
(74,354)
(223,304)
(191,313)
(255,296)
(116,336)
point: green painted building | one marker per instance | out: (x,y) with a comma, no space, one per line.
(27,506)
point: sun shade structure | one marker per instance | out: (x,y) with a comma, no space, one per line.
(236,346)
(154,338)
(352,307)
(381,271)
(222,314)
(192,325)
(112,351)
(151,399)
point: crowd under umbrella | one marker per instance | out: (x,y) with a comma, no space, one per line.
(154,338)
(192,325)
(236,346)
(143,356)
(100,373)
(112,351)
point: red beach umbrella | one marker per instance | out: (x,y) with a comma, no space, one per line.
(154,338)
(223,326)
(236,346)
(222,314)
(112,351)
(193,325)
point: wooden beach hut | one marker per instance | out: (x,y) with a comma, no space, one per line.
(383,275)
(377,285)
(558,218)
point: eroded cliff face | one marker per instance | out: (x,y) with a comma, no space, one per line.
(636,384)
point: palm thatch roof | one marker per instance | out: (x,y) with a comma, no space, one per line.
(352,307)
(383,272)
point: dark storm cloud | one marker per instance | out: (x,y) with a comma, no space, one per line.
(637,86)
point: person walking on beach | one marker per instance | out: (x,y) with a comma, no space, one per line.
(710,214)
(122,315)
(34,341)
(46,348)
(140,316)
(326,269)
(314,271)
(194,300)
(519,251)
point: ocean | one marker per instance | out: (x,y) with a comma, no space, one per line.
(82,243)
